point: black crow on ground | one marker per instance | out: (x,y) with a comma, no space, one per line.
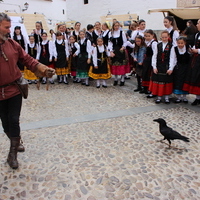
(169,133)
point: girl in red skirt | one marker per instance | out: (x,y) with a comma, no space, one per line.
(74,51)
(192,83)
(119,61)
(151,43)
(161,83)
(45,54)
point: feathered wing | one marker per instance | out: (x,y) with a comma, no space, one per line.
(176,135)
(166,132)
(171,134)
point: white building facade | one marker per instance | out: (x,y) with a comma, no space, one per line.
(54,11)
(89,11)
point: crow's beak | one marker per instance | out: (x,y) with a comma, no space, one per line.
(155,120)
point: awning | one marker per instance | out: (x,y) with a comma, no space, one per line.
(183,13)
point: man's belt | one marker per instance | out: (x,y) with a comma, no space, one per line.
(2,86)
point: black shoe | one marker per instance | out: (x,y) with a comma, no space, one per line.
(151,96)
(83,83)
(44,82)
(137,90)
(52,82)
(167,101)
(29,82)
(74,79)
(98,86)
(142,91)
(196,102)
(126,77)
(177,101)
(87,84)
(121,83)
(157,101)
(104,86)
(147,92)
(115,83)
(185,101)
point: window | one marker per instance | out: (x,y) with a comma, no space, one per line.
(85,1)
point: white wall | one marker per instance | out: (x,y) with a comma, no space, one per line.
(91,12)
(51,9)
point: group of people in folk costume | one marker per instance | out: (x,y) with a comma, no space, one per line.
(161,68)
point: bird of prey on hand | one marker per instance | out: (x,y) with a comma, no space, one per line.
(169,133)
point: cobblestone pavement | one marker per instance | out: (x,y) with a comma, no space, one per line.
(84,143)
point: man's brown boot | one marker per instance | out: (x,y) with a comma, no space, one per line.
(12,156)
(21,146)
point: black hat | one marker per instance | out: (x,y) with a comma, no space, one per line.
(17,27)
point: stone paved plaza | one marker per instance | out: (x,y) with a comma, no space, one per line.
(84,143)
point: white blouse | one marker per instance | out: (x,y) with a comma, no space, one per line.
(101,49)
(63,34)
(89,32)
(154,49)
(31,46)
(105,32)
(88,48)
(154,58)
(25,41)
(116,34)
(77,47)
(175,35)
(173,57)
(53,37)
(137,32)
(76,33)
(99,33)
(194,45)
(49,48)
(134,34)
(38,32)
(129,44)
(55,53)
(164,44)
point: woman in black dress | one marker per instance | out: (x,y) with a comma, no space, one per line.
(190,33)
(19,38)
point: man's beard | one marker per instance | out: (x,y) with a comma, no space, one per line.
(4,37)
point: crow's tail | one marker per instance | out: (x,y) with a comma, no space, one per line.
(185,139)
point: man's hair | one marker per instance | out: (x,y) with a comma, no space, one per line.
(4,17)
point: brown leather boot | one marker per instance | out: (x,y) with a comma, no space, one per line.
(12,156)
(21,146)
